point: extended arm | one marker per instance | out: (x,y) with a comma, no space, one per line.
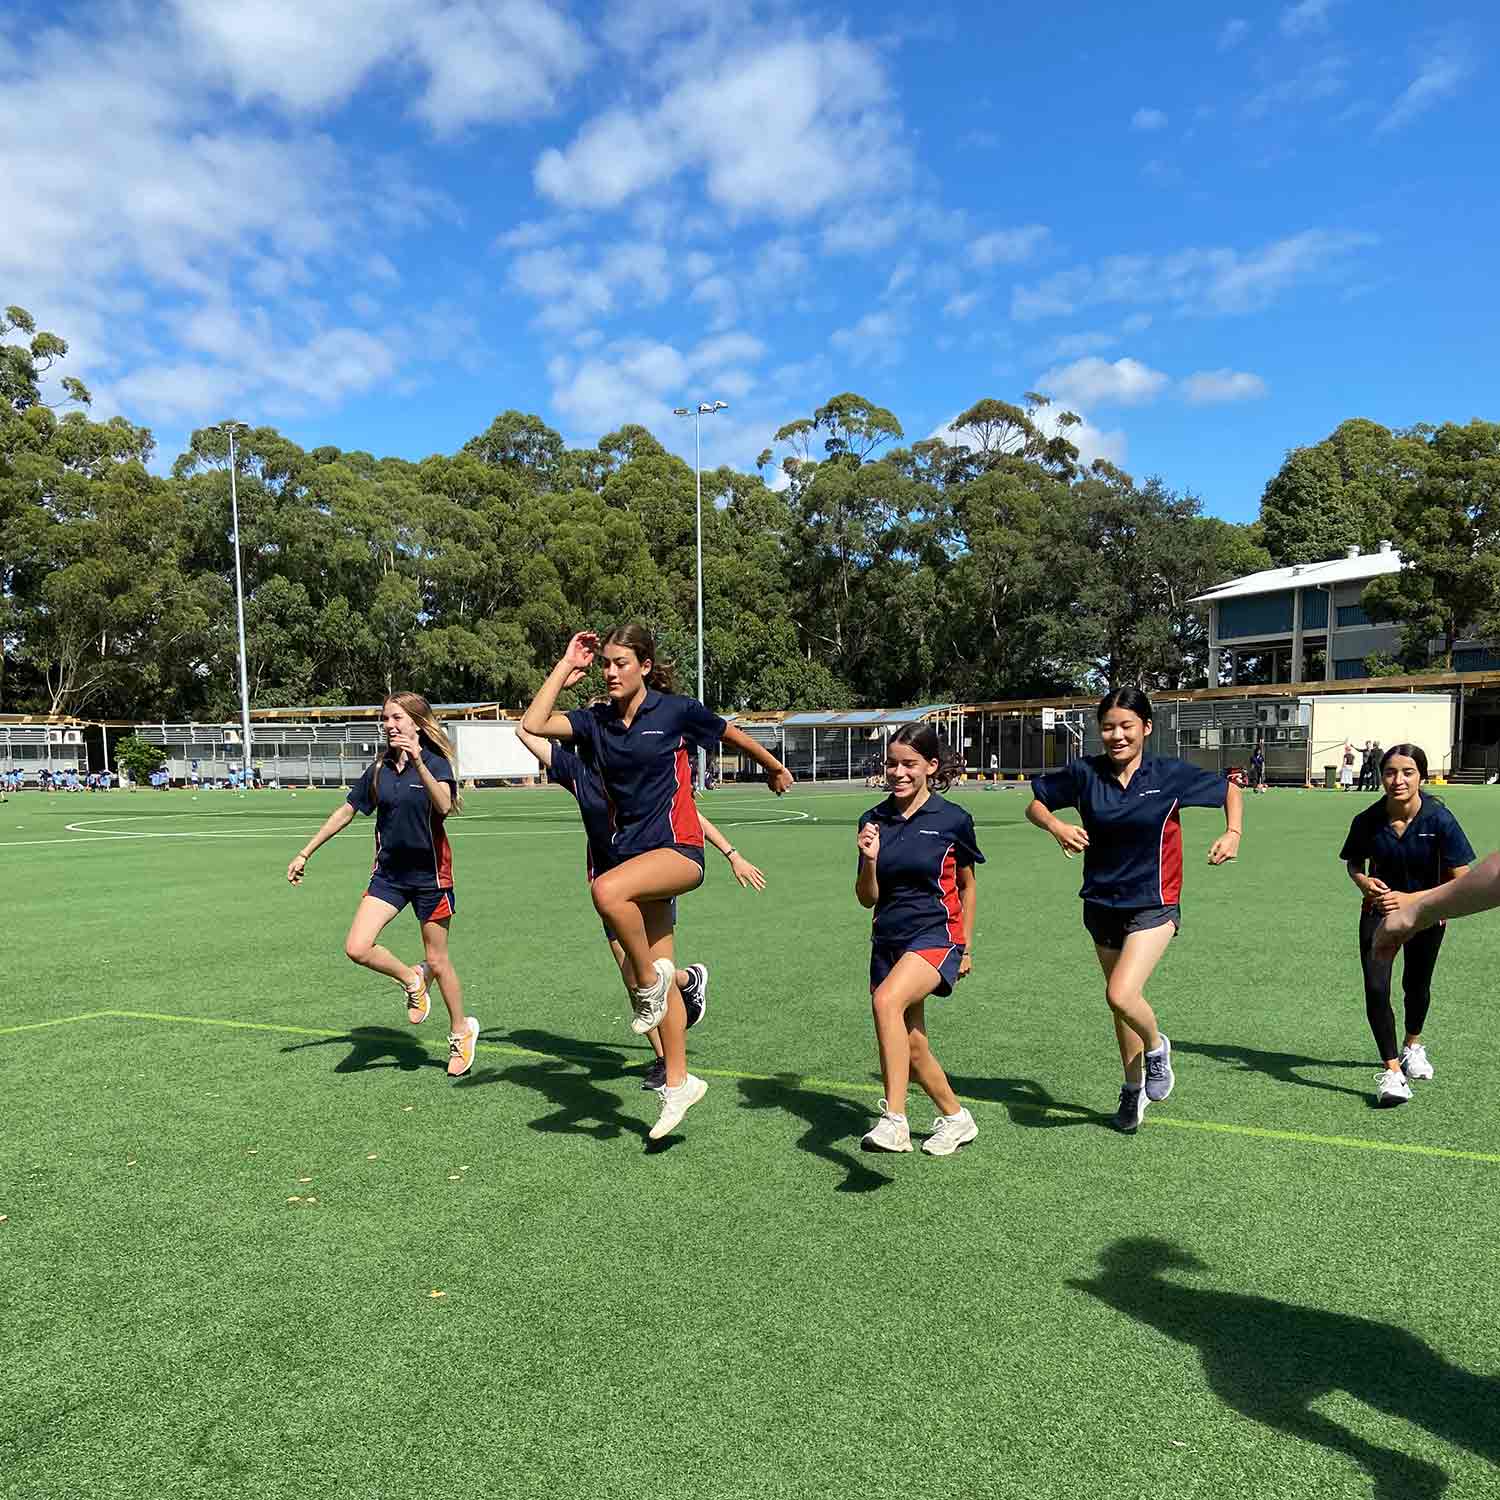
(1478,890)
(340,818)
(1227,845)
(778,778)
(1071,839)
(968,894)
(540,748)
(541,717)
(742,869)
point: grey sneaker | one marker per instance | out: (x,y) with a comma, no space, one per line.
(695,993)
(650,1003)
(1132,1109)
(1393,1088)
(891,1132)
(675,1103)
(949,1132)
(1159,1074)
(1414,1061)
(655,1076)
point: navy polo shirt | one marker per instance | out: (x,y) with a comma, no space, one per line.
(411,848)
(1134,857)
(646,770)
(583,781)
(917,872)
(1418,859)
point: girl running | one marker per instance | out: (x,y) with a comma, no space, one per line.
(640,740)
(583,782)
(1131,842)
(917,853)
(1411,844)
(411,789)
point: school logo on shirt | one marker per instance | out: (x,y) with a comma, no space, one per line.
(1154,791)
(645,732)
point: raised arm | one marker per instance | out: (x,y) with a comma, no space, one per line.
(1071,839)
(541,717)
(539,747)
(778,778)
(340,818)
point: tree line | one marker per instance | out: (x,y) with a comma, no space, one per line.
(853,568)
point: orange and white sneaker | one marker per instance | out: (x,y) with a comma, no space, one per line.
(461,1047)
(419,997)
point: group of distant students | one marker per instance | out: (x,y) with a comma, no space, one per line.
(627,758)
(67,779)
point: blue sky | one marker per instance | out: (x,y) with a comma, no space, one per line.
(1215,231)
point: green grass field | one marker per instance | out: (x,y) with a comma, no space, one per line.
(234,1183)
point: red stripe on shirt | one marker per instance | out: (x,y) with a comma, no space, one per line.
(686,829)
(1169,860)
(953,908)
(442,852)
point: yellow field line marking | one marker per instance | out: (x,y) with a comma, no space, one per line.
(88,1015)
(837,1085)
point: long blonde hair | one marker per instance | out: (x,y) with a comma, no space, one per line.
(429,732)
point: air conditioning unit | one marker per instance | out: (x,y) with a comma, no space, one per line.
(231,736)
(72,736)
(1265,714)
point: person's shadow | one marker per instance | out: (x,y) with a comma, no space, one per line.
(1028,1102)
(375,1047)
(1282,1066)
(1270,1361)
(569,1076)
(831,1121)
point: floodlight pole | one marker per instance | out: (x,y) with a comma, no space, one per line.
(239,611)
(697,413)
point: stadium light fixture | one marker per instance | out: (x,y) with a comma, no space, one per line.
(239,606)
(703,409)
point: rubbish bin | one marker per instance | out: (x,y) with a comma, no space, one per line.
(1331,777)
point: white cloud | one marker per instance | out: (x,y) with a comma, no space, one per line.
(718,294)
(865,231)
(1008,247)
(1441,75)
(1323,78)
(1148,119)
(1305,17)
(961,304)
(1092,381)
(502,60)
(573,292)
(1071,345)
(1136,323)
(1234,32)
(1210,386)
(785,129)
(875,339)
(1202,281)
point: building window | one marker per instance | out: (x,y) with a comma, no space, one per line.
(1262,614)
(1314,609)
(1354,667)
(1477,659)
(1352,614)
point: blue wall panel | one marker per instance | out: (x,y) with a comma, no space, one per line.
(1261,614)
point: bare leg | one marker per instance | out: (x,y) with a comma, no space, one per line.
(361,947)
(925,1068)
(660,948)
(1125,974)
(620,894)
(440,966)
(909,983)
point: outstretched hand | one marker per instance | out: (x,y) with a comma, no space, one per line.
(780,781)
(746,873)
(1225,848)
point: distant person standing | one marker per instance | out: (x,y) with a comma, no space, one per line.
(1258,767)
(1346,768)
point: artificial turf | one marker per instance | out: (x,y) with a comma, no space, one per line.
(230,1195)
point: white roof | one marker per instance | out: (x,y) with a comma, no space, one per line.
(1305,575)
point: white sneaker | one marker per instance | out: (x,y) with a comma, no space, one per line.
(1394,1089)
(891,1132)
(650,1004)
(949,1132)
(675,1103)
(1414,1061)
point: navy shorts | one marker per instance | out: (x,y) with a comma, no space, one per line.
(429,903)
(1109,926)
(944,957)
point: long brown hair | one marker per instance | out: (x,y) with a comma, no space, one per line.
(638,638)
(429,733)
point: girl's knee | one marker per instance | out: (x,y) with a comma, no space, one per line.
(356,952)
(1118,997)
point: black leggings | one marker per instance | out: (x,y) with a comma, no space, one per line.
(1416,982)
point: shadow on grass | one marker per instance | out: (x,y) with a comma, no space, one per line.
(1028,1103)
(834,1126)
(1282,1066)
(569,1075)
(1271,1361)
(371,1046)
